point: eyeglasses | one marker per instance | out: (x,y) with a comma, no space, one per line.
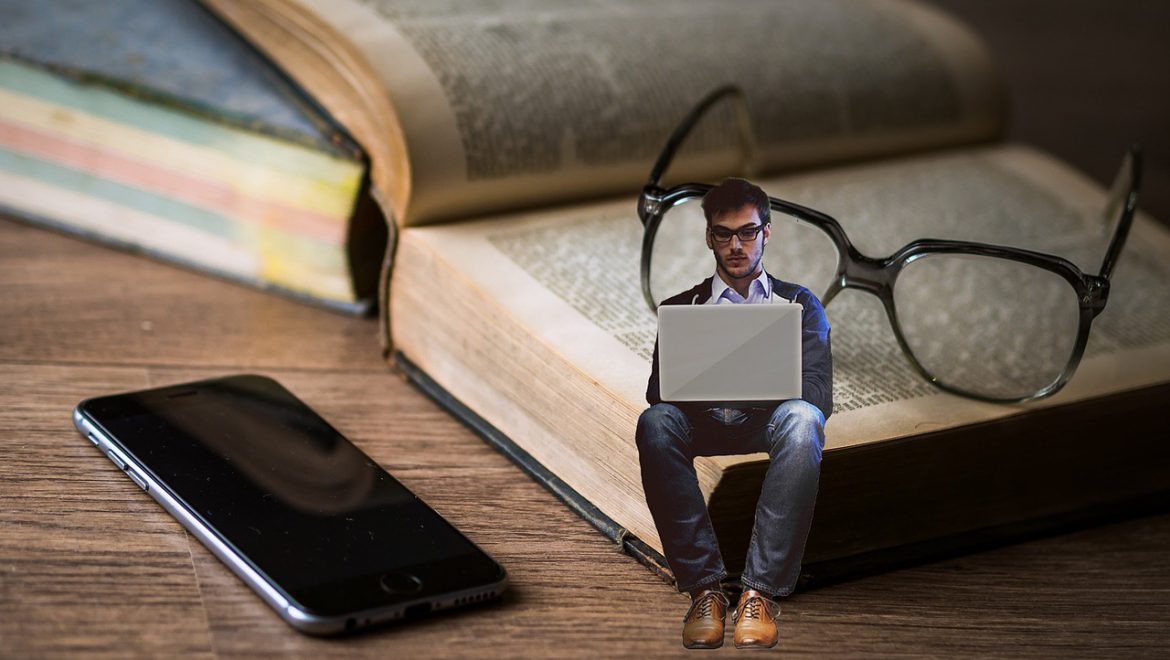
(988,322)
(747,234)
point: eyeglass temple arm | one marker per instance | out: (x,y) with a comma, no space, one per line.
(1129,208)
(743,121)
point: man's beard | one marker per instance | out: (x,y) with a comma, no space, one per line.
(746,268)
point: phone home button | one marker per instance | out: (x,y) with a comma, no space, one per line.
(400,582)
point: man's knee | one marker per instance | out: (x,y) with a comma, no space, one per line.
(797,413)
(662,426)
(797,425)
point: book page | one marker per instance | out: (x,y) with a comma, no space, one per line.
(571,276)
(519,103)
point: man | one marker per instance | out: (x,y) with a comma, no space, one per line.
(669,437)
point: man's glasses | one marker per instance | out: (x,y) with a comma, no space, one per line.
(722,235)
(985,321)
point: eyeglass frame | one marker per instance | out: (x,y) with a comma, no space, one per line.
(878,275)
(732,233)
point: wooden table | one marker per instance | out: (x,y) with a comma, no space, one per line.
(90,565)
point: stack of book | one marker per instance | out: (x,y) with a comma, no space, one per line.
(151,125)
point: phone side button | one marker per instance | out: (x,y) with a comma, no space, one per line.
(138,480)
(122,465)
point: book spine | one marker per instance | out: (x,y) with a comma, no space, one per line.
(361,307)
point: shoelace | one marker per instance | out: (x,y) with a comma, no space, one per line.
(756,607)
(703,606)
(751,609)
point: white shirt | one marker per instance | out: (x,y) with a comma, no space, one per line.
(760,290)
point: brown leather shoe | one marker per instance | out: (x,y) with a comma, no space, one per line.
(755,621)
(703,624)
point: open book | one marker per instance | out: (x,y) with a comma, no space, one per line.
(508,142)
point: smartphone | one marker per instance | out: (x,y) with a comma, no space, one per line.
(322,533)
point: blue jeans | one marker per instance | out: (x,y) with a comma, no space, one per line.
(792,435)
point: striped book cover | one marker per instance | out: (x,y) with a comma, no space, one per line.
(150,125)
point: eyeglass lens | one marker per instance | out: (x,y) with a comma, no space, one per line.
(992,327)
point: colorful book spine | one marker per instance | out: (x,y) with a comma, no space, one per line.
(230,170)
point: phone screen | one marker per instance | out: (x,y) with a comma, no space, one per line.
(290,493)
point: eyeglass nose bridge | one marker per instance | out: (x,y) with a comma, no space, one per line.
(864,273)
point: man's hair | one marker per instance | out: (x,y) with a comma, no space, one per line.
(733,194)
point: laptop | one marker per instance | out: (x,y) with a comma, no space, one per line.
(729,355)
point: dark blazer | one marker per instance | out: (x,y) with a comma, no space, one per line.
(815,353)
